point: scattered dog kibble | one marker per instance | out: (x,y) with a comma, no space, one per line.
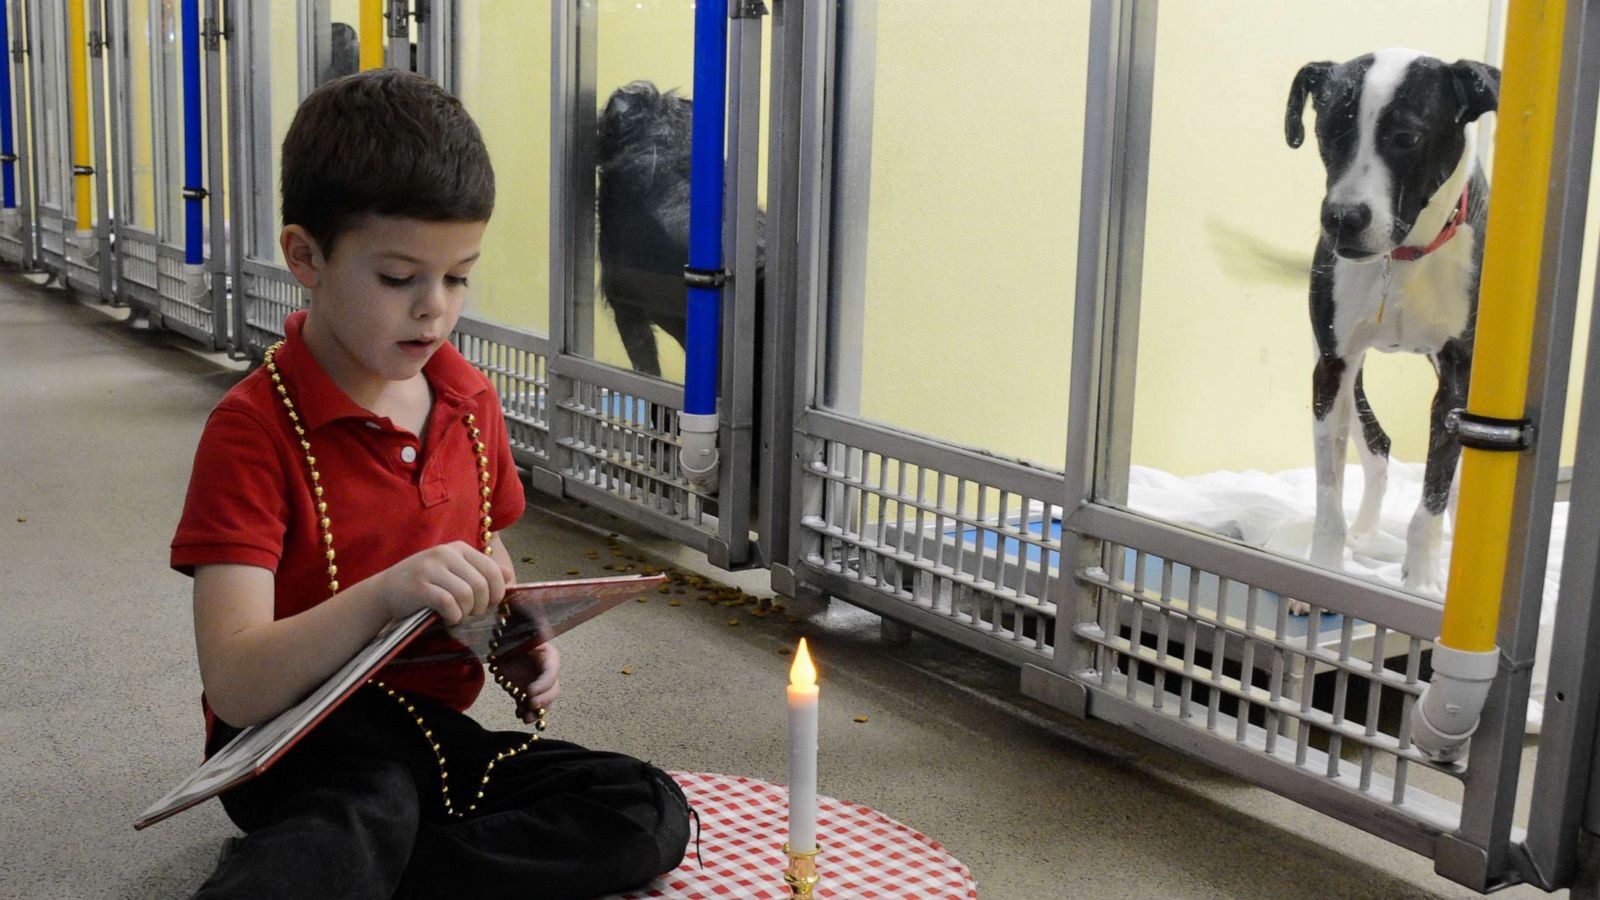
(732,622)
(527,559)
(859,719)
(758,614)
(672,602)
(572,571)
(680,590)
(22,518)
(609,567)
(790,619)
(784,651)
(663,590)
(627,670)
(644,600)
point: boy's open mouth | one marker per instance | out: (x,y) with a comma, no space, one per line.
(419,346)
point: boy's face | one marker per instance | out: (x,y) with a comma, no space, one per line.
(388,298)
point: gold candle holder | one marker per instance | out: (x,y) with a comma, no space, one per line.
(801,876)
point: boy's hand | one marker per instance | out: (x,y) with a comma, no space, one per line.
(455,580)
(542,691)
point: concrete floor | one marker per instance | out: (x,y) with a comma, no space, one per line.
(99,693)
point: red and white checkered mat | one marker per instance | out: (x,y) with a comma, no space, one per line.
(865,854)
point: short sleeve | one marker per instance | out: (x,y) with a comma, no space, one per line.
(237,507)
(509,499)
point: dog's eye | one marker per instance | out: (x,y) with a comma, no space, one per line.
(1403,140)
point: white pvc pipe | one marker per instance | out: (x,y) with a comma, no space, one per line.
(1447,713)
(698,455)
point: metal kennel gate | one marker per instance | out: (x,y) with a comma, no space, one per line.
(1178,635)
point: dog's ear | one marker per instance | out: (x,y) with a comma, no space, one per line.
(1477,89)
(1311,79)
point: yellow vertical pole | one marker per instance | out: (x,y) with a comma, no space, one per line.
(1524,138)
(82,165)
(371,34)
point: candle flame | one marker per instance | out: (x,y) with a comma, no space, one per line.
(802,674)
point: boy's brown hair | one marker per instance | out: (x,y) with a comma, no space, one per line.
(383,142)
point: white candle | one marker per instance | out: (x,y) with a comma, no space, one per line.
(802,752)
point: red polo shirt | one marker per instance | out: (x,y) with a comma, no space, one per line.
(250,499)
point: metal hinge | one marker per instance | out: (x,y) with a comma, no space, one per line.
(420,11)
(213,35)
(399,16)
(747,9)
(18,48)
(96,44)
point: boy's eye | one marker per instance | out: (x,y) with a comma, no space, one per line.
(457,280)
(392,281)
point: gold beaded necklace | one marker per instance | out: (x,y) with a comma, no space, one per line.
(516,691)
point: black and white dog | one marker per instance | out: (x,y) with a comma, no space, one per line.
(1395,270)
(643,148)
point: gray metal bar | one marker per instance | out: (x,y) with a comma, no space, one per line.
(316,52)
(959,462)
(1370,602)
(118,129)
(1488,804)
(241,44)
(1564,779)
(28,170)
(576,23)
(739,378)
(216,262)
(644,387)
(1095,232)
(507,335)
(855,50)
(776,468)
(1136,87)
(37,122)
(811,262)
(1417,824)
(99,131)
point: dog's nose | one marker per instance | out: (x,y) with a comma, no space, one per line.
(1345,219)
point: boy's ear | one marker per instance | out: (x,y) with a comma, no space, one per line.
(303,257)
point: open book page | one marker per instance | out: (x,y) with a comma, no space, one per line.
(536,613)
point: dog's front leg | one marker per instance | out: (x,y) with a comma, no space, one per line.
(1424,570)
(1332,393)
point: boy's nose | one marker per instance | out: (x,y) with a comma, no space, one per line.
(431,304)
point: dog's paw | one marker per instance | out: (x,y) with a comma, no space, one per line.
(1298,607)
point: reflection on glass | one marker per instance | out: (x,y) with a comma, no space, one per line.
(645,80)
(50,108)
(141,212)
(1224,436)
(170,187)
(504,63)
(644,86)
(955,207)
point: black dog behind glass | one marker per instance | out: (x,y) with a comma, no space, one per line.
(643,211)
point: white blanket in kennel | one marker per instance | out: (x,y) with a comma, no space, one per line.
(1275,511)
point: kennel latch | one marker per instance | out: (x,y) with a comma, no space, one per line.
(1489,433)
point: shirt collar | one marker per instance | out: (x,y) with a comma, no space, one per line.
(320,401)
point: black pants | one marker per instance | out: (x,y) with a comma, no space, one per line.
(355,810)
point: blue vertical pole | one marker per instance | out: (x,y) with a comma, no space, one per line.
(193,215)
(705,206)
(8,151)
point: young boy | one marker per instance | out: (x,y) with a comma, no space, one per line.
(356,477)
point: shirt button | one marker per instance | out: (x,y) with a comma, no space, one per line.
(409,454)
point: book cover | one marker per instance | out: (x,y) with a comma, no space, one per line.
(535,613)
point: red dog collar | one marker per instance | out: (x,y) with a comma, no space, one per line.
(1411,253)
